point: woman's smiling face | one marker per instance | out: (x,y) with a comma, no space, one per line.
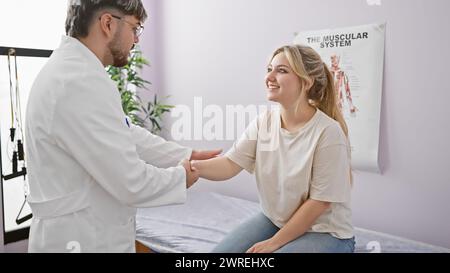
(283,85)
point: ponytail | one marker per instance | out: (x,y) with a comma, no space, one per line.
(329,106)
(328,103)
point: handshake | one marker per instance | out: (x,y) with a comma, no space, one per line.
(192,174)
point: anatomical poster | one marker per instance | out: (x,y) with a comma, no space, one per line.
(355,57)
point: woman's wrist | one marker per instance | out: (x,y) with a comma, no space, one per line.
(277,242)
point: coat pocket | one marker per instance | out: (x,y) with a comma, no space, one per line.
(121,237)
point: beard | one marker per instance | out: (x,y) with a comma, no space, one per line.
(120,56)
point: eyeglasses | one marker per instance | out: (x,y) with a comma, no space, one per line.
(137,29)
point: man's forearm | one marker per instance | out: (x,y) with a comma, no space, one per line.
(157,151)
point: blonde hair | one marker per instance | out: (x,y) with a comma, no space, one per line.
(317,80)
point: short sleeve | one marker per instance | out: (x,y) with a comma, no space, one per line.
(243,152)
(331,174)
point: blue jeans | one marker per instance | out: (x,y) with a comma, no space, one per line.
(260,228)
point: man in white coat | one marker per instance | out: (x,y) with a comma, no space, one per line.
(89,167)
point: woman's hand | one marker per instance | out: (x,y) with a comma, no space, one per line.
(267,246)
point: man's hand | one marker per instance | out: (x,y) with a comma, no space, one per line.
(203,155)
(192,174)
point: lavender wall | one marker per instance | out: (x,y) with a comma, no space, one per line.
(218,50)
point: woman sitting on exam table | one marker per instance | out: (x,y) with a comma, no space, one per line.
(300,156)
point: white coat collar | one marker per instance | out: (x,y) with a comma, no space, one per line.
(68,42)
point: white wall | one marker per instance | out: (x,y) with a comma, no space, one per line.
(218,50)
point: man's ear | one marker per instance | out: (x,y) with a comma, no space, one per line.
(106,24)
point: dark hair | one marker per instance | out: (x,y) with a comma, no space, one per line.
(80,13)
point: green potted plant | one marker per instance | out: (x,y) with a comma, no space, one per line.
(128,81)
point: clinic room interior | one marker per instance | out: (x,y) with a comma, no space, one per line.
(209,79)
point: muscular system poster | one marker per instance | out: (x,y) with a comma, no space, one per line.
(355,57)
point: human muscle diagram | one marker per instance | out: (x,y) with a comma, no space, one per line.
(355,58)
(342,85)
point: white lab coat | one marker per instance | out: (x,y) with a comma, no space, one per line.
(89,169)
